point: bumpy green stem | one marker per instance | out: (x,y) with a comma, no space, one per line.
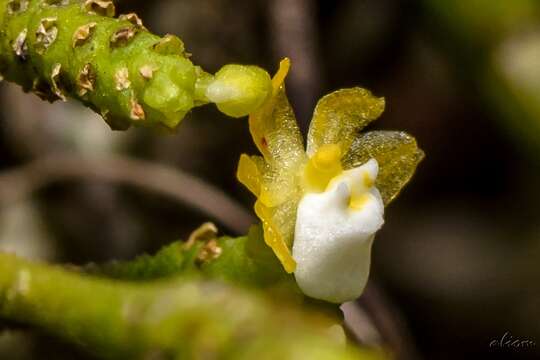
(172,319)
(75,48)
(245,261)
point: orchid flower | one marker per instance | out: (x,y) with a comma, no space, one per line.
(321,206)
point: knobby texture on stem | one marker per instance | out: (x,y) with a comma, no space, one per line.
(76,48)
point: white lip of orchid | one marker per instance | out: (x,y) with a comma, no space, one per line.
(334,233)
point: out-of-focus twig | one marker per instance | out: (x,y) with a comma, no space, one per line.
(294,34)
(173,183)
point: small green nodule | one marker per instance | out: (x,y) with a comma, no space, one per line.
(238,90)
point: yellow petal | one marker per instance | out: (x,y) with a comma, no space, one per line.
(275,180)
(276,232)
(340,115)
(248,173)
(279,78)
(273,126)
(269,184)
(278,185)
(396,152)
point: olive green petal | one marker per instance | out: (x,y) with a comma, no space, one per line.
(396,152)
(275,132)
(274,129)
(340,115)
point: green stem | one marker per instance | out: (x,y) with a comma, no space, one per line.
(75,48)
(244,261)
(169,319)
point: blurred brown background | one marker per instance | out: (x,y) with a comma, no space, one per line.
(458,261)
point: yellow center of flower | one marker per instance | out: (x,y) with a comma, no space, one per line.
(358,202)
(359,196)
(322,167)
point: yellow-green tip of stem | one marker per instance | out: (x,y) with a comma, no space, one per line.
(238,90)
